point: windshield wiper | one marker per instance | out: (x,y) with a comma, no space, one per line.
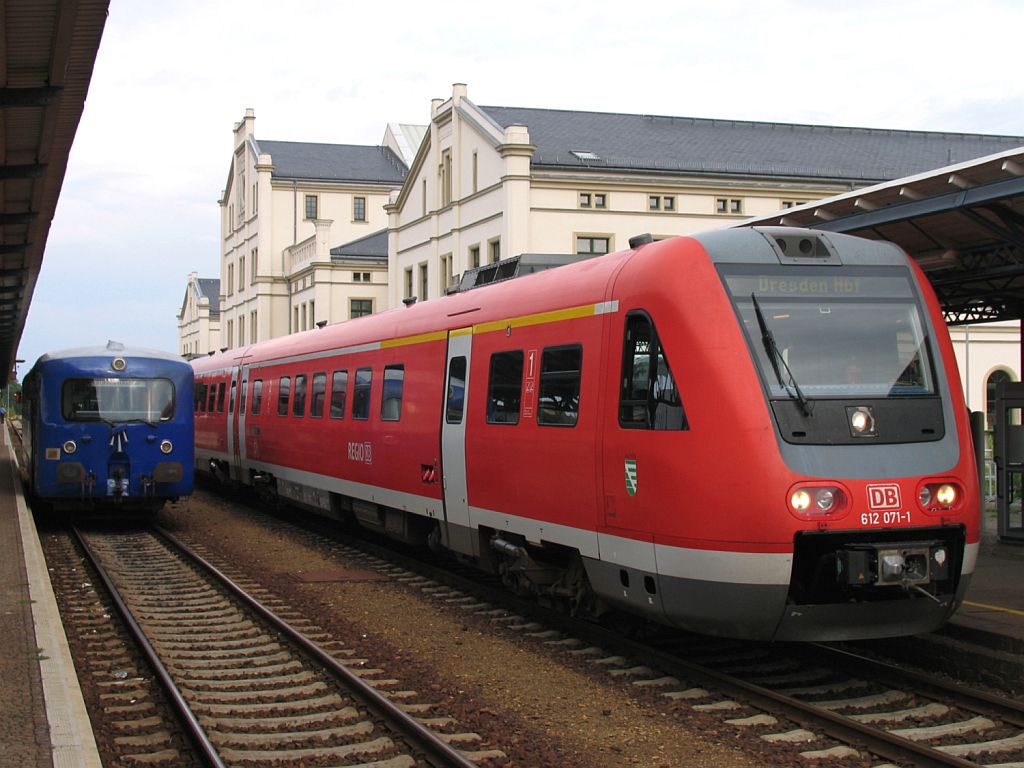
(775,357)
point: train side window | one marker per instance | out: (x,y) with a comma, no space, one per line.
(284,389)
(339,386)
(244,391)
(505,387)
(316,403)
(231,399)
(257,396)
(220,397)
(455,402)
(201,397)
(299,400)
(391,398)
(212,399)
(558,403)
(648,398)
(361,393)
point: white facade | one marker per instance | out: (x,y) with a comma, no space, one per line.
(984,351)
(472,197)
(199,318)
(282,210)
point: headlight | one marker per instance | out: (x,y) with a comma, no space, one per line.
(166,446)
(939,497)
(825,499)
(816,501)
(862,421)
(946,495)
(70,446)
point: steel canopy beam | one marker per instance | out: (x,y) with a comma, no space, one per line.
(22,217)
(24,171)
(42,96)
(928,206)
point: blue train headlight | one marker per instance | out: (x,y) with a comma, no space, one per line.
(166,446)
(70,446)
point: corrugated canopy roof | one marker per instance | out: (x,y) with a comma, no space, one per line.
(47,52)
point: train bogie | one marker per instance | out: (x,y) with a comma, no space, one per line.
(752,433)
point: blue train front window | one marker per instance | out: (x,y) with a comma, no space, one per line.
(117,400)
(839,334)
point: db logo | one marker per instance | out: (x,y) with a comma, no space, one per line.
(884,497)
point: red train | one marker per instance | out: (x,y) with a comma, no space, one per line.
(756,433)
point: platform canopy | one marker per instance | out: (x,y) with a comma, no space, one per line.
(47,52)
(964,224)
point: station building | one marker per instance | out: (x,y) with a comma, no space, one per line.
(482,184)
(494,182)
(302,228)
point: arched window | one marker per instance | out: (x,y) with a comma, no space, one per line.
(996,377)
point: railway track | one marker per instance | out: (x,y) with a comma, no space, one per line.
(248,688)
(827,702)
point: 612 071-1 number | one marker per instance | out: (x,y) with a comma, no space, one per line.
(895,517)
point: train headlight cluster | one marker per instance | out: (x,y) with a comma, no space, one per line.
(70,446)
(936,497)
(816,501)
(166,446)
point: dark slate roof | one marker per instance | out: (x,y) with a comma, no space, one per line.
(210,288)
(695,145)
(336,162)
(373,246)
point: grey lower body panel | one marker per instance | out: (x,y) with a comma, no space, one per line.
(762,612)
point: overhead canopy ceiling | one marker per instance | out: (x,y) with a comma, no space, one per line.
(47,52)
(964,224)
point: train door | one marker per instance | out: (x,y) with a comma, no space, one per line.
(232,425)
(640,454)
(239,422)
(456,532)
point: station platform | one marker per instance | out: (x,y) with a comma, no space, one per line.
(995,600)
(43,719)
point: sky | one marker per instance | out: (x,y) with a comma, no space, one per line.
(138,210)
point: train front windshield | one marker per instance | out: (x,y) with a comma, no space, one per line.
(855,332)
(116,400)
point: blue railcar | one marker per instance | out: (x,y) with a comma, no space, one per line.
(108,428)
